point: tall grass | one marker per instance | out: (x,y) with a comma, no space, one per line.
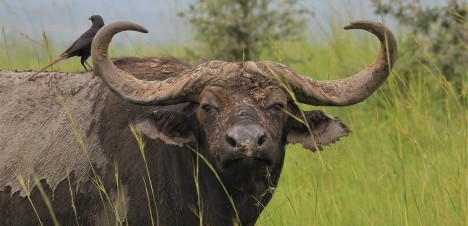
(405,163)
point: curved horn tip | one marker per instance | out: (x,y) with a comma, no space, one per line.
(136,27)
(124,26)
(360,24)
(142,29)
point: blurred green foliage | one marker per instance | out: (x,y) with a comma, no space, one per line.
(437,36)
(239,29)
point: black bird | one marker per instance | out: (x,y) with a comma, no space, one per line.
(81,47)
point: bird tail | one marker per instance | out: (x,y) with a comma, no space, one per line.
(58,59)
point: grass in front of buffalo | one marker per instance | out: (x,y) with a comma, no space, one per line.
(405,163)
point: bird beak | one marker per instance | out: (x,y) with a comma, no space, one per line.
(89,18)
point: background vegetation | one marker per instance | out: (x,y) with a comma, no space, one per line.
(240,29)
(437,36)
(406,161)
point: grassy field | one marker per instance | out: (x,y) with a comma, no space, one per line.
(405,162)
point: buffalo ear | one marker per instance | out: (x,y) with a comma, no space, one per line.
(172,127)
(325,130)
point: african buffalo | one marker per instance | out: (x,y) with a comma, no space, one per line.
(157,141)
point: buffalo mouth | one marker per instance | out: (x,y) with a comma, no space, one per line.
(246,159)
(246,163)
(248,174)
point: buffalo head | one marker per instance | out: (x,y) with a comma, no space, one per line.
(240,116)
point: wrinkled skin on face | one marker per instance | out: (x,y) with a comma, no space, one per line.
(244,132)
(242,135)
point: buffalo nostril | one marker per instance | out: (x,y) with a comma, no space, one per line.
(261,140)
(231,141)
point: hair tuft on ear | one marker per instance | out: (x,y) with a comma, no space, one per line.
(325,130)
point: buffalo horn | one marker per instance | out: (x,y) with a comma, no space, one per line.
(355,88)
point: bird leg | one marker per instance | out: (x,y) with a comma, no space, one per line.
(83,61)
(88,65)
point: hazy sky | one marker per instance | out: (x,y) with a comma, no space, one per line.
(65,20)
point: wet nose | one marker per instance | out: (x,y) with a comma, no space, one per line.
(249,137)
(247,144)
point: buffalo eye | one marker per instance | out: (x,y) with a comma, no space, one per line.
(275,108)
(208,108)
